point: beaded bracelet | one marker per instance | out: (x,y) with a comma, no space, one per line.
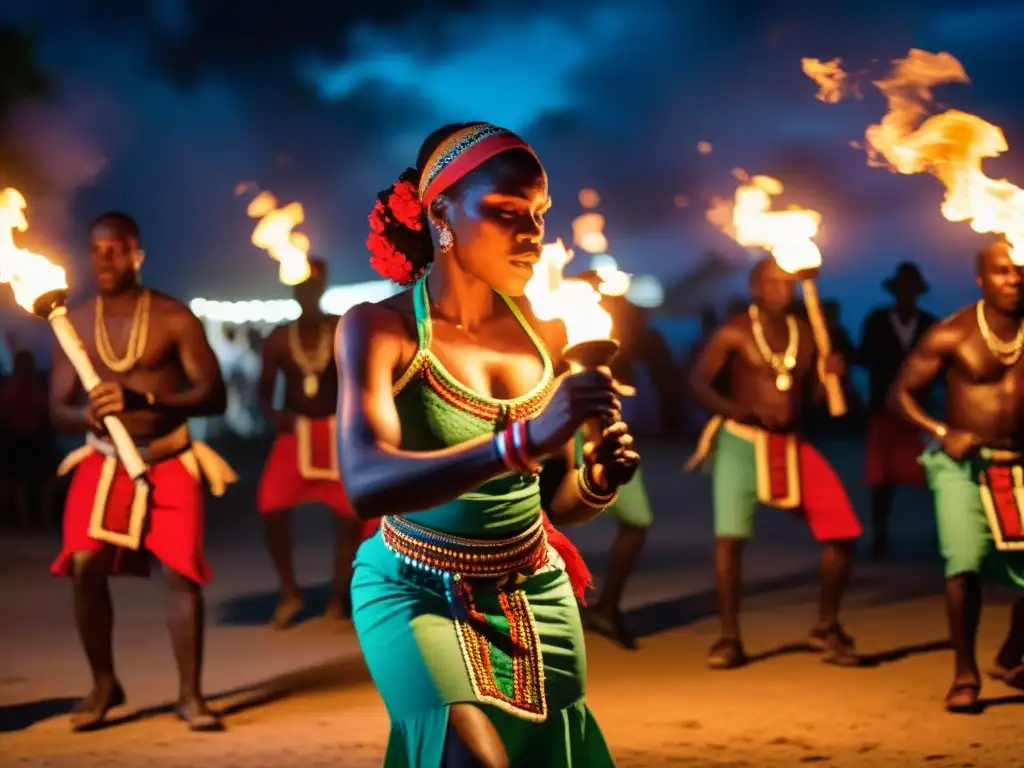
(517,431)
(511,445)
(588,495)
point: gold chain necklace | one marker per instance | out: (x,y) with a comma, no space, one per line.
(137,336)
(784,363)
(310,365)
(1006,352)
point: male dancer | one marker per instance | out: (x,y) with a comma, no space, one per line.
(158,371)
(760,456)
(893,444)
(975,467)
(303,464)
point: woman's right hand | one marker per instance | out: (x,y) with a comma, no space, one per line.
(578,398)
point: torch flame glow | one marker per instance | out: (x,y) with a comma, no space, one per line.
(950,145)
(832,81)
(614,282)
(274,233)
(574,302)
(786,234)
(29,274)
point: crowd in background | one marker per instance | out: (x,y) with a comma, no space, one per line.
(30,450)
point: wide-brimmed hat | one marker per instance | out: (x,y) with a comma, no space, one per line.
(907,274)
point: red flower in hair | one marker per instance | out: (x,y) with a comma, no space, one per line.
(405,205)
(389,262)
(376,218)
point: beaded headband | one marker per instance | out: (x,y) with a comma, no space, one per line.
(464,151)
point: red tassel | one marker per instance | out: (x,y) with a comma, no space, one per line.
(575,566)
(370,527)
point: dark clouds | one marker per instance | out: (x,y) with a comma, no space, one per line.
(327,102)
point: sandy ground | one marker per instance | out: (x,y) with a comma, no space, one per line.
(303,698)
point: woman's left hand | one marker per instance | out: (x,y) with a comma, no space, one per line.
(612,462)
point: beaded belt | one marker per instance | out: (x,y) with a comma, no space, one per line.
(457,557)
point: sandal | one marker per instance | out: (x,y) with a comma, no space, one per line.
(727,654)
(835,644)
(962,698)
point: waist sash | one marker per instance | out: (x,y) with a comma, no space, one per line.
(1001,483)
(198,458)
(317,461)
(776,460)
(510,677)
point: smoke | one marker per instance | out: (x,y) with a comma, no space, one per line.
(64,143)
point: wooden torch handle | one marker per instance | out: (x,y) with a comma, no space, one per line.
(833,387)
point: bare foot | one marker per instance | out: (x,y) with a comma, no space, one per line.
(285,613)
(1012,676)
(609,623)
(836,646)
(90,712)
(727,653)
(962,697)
(337,611)
(198,715)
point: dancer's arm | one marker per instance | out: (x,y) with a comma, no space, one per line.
(710,362)
(922,365)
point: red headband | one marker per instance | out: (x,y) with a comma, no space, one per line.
(462,152)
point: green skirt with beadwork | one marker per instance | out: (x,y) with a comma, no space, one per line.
(516,650)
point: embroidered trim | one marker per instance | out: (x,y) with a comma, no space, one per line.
(777,486)
(1002,497)
(458,561)
(305,439)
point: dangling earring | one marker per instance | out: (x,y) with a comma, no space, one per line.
(445,239)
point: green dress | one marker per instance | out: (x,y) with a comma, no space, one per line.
(516,647)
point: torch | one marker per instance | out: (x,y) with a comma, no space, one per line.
(577,304)
(807,274)
(787,236)
(41,288)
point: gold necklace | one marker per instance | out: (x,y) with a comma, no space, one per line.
(310,365)
(1006,352)
(784,363)
(137,336)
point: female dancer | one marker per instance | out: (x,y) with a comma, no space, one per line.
(466,617)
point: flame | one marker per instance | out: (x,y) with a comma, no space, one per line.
(589,198)
(614,282)
(30,275)
(831,79)
(786,234)
(950,145)
(574,302)
(274,233)
(588,233)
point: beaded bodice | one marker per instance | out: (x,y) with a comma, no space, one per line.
(437,411)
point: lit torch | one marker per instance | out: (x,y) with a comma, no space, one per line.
(41,288)
(274,233)
(950,145)
(787,236)
(588,326)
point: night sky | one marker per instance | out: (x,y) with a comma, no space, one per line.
(164,106)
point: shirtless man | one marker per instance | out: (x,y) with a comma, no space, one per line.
(978,448)
(157,371)
(759,456)
(302,466)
